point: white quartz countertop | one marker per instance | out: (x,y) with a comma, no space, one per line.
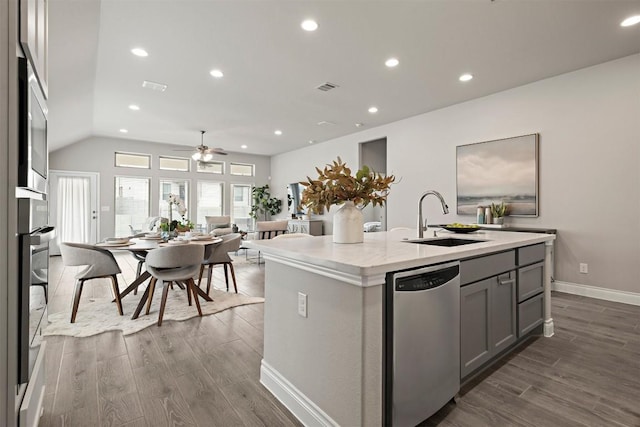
(383,252)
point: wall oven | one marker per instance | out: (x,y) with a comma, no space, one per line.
(32,124)
(33,280)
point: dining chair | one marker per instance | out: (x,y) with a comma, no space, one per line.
(219,254)
(173,264)
(100,264)
(271,229)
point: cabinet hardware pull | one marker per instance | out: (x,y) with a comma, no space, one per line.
(506,282)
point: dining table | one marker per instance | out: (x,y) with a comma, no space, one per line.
(140,246)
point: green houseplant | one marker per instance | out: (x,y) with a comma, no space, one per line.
(336,185)
(263,204)
(498,212)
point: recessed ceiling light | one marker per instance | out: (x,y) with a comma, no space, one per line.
(465,77)
(243,146)
(391,62)
(632,20)
(139,52)
(123,131)
(311,141)
(309,25)
(278,132)
(216,73)
(359,125)
(134,107)
(373,110)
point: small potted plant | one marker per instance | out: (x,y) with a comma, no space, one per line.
(336,186)
(498,212)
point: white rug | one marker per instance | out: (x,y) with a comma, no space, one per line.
(100,315)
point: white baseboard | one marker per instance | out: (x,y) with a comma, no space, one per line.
(596,292)
(293,399)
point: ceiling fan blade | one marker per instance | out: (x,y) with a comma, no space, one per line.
(218,151)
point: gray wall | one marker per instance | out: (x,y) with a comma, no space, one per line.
(96,154)
(589,164)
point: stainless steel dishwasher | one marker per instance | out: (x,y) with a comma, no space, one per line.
(421,334)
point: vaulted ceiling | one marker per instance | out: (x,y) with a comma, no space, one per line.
(272,68)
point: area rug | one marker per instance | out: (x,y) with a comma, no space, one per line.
(100,314)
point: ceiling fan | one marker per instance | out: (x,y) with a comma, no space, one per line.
(204,153)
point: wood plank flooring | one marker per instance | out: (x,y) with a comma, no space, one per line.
(205,371)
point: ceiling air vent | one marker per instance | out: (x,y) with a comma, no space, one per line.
(154,86)
(326,87)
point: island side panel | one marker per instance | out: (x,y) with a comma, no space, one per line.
(322,355)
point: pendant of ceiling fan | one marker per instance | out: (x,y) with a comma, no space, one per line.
(203,153)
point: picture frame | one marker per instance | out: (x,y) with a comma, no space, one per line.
(501,170)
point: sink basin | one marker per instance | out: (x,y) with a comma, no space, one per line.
(445,241)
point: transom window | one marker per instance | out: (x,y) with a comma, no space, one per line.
(242,169)
(210,167)
(132,160)
(174,164)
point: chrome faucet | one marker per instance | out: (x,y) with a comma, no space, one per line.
(423,225)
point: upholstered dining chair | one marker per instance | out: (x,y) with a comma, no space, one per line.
(100,264)
(219,255)
(174,264)
(271,229)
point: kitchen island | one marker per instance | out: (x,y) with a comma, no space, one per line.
(323,327)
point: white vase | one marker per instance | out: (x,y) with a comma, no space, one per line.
(348,224)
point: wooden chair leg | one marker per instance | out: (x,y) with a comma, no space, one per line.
(76,300)
(200,275)
(226,275)
(138,273)
(152,289)
(233,276)
(191,288)
(163,303)
(116,291)
(209,278)
(180,285)
(188,294)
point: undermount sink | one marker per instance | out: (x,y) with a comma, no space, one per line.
(445,241)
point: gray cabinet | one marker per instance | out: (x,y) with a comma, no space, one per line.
(530,288)
(307,226)
(34,36)
(488,320)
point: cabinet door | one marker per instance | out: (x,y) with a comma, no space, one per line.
(530,281)
(34,37)
(475,340)
(503,311)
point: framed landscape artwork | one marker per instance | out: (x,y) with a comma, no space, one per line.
(503,170)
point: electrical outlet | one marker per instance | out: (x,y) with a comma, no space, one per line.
(302,304)
(584,268)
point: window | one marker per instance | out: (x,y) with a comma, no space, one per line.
(210,167)
(174,164)
(241,206)
(129,160)
(179,187)
(132,204)
(209,201)
(241,169)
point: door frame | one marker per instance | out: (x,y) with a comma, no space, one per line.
(54,175)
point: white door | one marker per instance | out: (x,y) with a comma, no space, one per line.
(73,207)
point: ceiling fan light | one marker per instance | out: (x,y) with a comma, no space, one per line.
(196,156)
(207,157)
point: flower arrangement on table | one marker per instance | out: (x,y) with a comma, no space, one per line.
(184,224)
(335,185)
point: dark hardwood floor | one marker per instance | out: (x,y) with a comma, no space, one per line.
(205,371)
